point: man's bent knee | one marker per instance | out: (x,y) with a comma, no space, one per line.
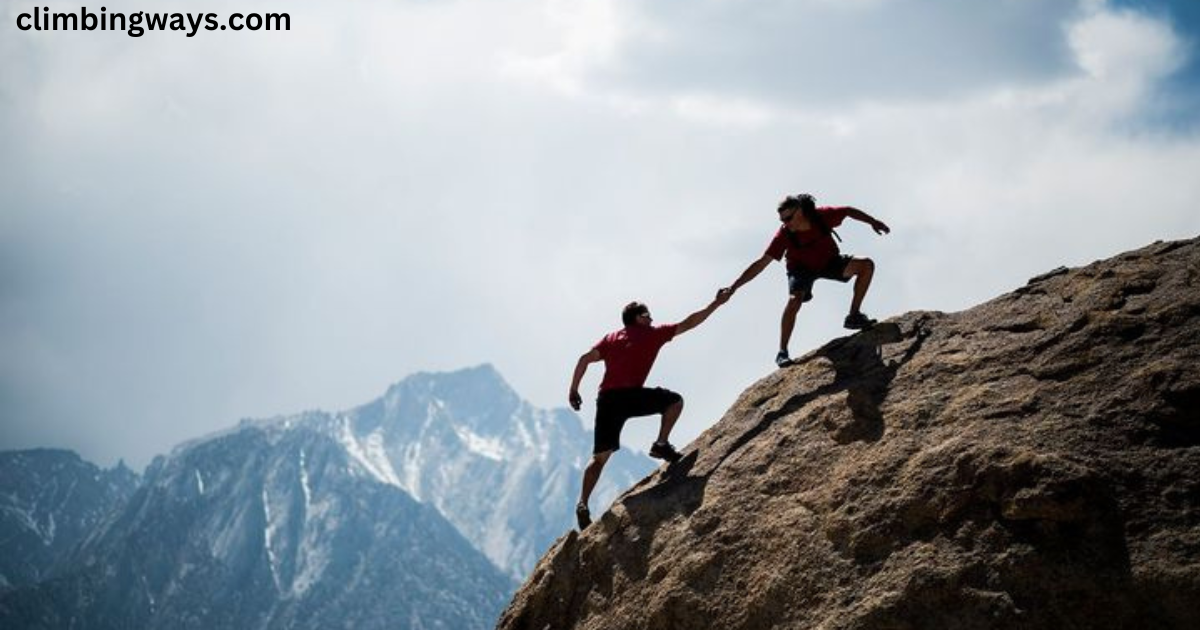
(859,266)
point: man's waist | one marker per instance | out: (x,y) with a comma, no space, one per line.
(811,260)
(617,390)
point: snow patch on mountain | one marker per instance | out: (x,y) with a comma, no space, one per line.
(268,540)
(304,481)
(369,452)
(491,448)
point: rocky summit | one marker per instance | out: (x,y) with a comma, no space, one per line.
(1033,462)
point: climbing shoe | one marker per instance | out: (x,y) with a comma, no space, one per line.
(582,516)
(858,321)
(782,359)
(664,450)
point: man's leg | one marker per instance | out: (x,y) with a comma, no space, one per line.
(788,323)
(862,270)
(669,417)
(591,475)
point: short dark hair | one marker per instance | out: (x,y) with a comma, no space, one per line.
(808,206)
(630,313)
(804,202)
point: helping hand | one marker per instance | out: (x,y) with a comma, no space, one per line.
(575,399)
(880,227)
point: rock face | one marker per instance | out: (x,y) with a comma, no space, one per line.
(1033,462)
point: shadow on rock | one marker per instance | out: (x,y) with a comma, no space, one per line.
(673,492)
(859,370)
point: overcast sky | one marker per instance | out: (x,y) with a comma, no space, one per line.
(233,225)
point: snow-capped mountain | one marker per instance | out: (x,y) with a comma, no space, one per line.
(49,501)
(416,510)
(269,526)
(505,473)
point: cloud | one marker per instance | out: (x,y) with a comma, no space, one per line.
(197,230)
(817,53)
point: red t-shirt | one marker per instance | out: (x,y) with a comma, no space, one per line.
(816,247)
(629,354)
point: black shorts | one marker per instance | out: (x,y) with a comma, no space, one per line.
(615,406)
(800,281)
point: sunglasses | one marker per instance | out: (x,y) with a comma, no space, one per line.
(784,219)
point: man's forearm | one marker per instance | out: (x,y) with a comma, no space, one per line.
(746,276)
(879,226)
(697,318)
(749,274)
(855,213)
(577,377)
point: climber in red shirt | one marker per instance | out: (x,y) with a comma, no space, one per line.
(806,238)
(628,354)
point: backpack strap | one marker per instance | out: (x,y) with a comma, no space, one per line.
(793,239)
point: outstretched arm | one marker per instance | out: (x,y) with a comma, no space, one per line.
(697,318)
(581,366)
(879,226)
(749,274)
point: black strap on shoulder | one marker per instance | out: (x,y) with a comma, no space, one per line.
(793,239)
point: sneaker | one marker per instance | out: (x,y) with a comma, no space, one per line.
(664,450)
(858,321)
(582,516)
(782,359)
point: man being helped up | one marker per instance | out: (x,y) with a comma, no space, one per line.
(628,355)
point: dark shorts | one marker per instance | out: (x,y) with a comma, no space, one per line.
(800,281)
(615,406)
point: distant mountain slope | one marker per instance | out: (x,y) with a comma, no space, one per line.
(268,527)
(376,517)
(505,473)
(50,500)
(1030,463)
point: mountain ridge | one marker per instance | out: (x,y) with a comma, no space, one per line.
(50,501)
(416,508)
(472,423)
(273,530)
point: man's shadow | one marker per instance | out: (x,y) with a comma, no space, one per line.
(859,369)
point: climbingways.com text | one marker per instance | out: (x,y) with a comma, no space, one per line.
(136,24)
